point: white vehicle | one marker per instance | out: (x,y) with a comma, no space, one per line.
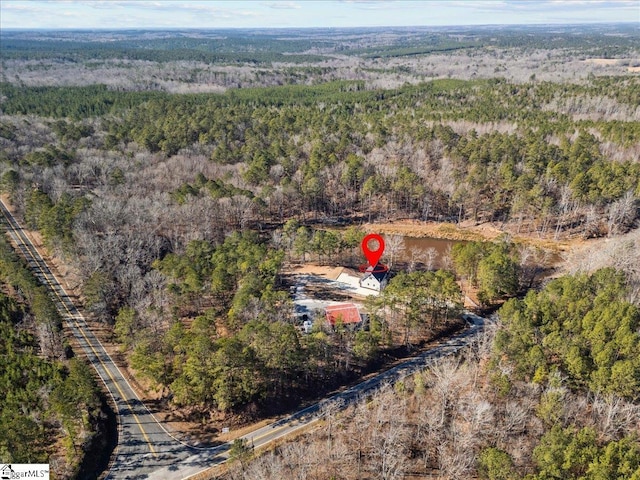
(307,326)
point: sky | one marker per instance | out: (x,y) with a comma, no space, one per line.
(120,14)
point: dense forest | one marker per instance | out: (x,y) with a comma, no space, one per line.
(50,408)
(281,146)
(522,404)
(180,192)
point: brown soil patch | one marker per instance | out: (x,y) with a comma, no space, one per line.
(449,231)
(311,269)
(633,69)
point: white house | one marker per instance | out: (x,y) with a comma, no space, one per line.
(375,278)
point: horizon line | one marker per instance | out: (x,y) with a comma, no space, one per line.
(361,27)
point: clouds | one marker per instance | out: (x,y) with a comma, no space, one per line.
(295,13)
(579,11)
(387,5)
(114,14)
(284,5)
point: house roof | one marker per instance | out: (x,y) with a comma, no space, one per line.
(345,312)
(379,272)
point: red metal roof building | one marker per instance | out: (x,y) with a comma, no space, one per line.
(347,313)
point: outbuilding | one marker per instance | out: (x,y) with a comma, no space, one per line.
(347,313)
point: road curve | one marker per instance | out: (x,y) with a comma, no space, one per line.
(303,418)
(145,448)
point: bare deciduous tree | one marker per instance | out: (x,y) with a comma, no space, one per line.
(394,246)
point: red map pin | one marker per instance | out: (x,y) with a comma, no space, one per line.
(373,255)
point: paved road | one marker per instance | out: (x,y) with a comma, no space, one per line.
(146,450)
(144,445)
(312,414)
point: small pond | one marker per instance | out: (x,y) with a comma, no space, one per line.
(430,252)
